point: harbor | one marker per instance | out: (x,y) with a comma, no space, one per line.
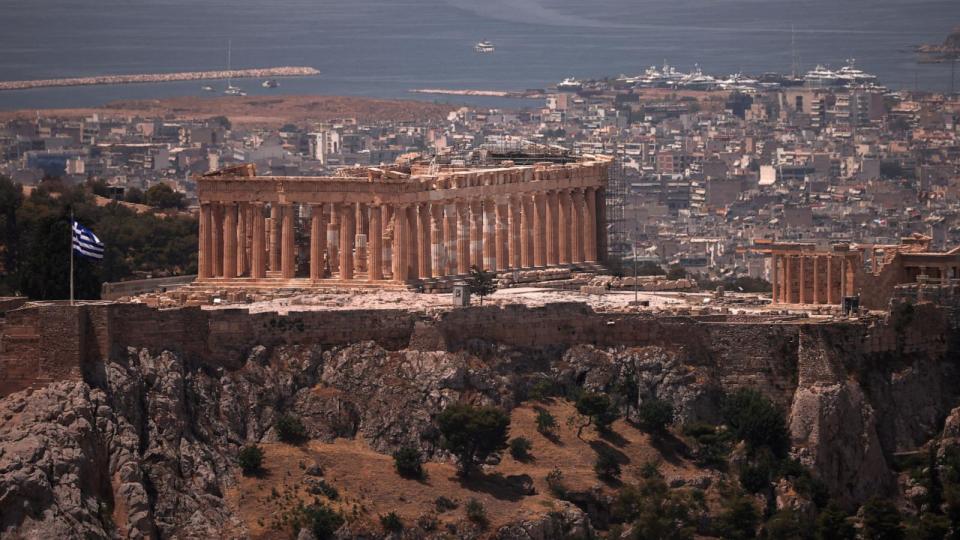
(270,73)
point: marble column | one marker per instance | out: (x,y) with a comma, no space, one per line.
(375,252)
(774,293)
(425,249)
(413,234)
(206,241)
(831,295)
(217,236)
(437,248)
(601,224)
(553,224)
(347,220)
(817,298)
(788,271)
(577,228)
(400,244)
(463,239)
(450,237)
(241,239)
(476,233)
(539,229)
(258,267)
(802,260)
(230,241)
(318,241)
(514,245)
(526,231)
(275,237)
(590,225)
(288,247)
(489,236)
(333,239)
(502,233)
(386,217)
(566,219)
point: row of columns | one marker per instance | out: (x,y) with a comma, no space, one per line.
(811,278)
(402,241)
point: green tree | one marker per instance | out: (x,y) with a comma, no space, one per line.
(833,524)
(250,459)
(481,283)
(787,525)
(133,195)
(607,465)
(882,520)
(391,522)
(739,519)
(597,409)
(656,415)
(520,448)
(656,511)
(473,433)
(163,196)
(755,419)
(546,423)
(322,520)
(408,462)
(290,429)
(11,198)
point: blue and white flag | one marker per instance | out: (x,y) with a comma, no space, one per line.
(86,243)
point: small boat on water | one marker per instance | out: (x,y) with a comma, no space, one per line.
(207,88)
(484,47)
(569,84)
(234,91)
(270,83)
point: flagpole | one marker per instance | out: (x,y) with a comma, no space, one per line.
(71,256)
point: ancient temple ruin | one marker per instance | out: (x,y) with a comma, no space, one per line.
(398,224)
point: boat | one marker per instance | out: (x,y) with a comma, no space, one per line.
(696,80)
(850,75)
(270,83)
(207,88)
(231,90)
(484,47)
(821,76)
(569,84)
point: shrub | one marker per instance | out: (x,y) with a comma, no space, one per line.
(520,448)
(321,487)
(607,466)
(321,519)
(250,459)
(290,429)
(738,520)
(391,522)
(555,483)
(881,521)
(473,433)
(712,444)
(832,524)
(650,469)
(656,511)
(444,504)
(756,420)
(427,522)
(408,462)
(546,423)
(786,525)
(756,478)
(476,513)
(543,389)
(655,416)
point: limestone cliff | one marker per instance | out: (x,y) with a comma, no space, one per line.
(145,444)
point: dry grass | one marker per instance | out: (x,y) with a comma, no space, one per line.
(369,486)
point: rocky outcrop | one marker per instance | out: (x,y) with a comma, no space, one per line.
(145,445)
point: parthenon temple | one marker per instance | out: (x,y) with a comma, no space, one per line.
(802,273)
(398,224)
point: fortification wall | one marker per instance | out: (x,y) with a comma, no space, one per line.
(40,343)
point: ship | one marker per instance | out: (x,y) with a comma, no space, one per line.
(270,83)
(569,84)
(850,75)
(207,88)
(231,90)
(821,76)
(484,47)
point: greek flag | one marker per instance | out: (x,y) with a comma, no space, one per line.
(86,243)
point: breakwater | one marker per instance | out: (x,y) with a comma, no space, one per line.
(162,77)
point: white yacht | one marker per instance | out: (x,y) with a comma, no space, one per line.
(484,47)
(697,80)
(821,76)
(207,88)
(231,89)
(270,83)
(849,74)
(569,84)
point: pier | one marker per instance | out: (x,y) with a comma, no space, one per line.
(162,77)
